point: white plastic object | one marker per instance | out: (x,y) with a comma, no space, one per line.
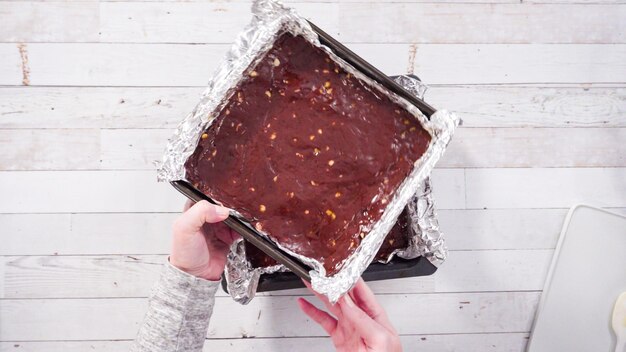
(588,272)
(619,322)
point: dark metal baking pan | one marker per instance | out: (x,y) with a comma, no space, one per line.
(397,268)
(250,233)
(371,71)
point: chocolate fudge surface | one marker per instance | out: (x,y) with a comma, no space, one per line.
(398,238)
(307,152)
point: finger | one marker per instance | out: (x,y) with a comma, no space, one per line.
(333,308)
(373,334)
(365,299)
(221,232)
(325,320)
(188,204)
(234,236)
(200,213)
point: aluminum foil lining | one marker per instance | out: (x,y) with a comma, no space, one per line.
(425,238)
(270,18)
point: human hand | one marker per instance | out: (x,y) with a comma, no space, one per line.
(200,242)
(359,322)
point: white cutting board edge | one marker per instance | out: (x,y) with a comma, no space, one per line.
(555,259)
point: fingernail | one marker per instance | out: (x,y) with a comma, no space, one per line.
(221,211)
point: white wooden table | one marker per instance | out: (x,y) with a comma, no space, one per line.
(90,91)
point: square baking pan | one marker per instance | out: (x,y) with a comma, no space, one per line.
(397,268)
(248,232)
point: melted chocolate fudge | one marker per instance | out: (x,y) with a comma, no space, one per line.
(398,238)
(307,152)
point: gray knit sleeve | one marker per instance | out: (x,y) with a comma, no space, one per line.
(180,307)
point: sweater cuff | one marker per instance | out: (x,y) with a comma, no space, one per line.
(178,317)
(177,281)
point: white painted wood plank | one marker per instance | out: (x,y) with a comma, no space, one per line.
(95,107)
(134,275)
(133,149)
(536,63)
(501,228)
(138,149)
(545,188)
(102,319)
(139,233)
(63,64)
(80,276)
(34,21)
(50,149)
(465,23)
(10,67)
(86,191)
(395,22)
(154,107)
(192,65)
(471,147)
(197,22)
(449,188)
(135,191)
(515,106)
(123,64)
(509,342)
(536,147)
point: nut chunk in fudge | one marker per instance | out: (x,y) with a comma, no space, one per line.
(307,152)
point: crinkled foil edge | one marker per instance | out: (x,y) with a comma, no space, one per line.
(242,279)
(426,238)
(270,18)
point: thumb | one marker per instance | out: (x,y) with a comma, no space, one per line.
(200,213)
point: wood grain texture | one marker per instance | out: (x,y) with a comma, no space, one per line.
(121,148)
(10,66)
(534,63)
(275,316)
(202,22)
(536,147)
(502,342)
(492,188)
(515,23)
(139,149)
(92,87)
(89,64)
(122,64)
(51,18)
(95,107)
(133,275)
(49,149)
(86,191)
(585,105)
(98,233)
(148,233)
(545,188)
(136,191)
(516,147)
